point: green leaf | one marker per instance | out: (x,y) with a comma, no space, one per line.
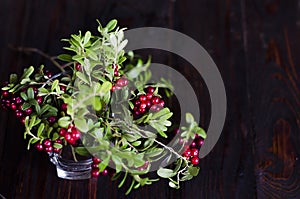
(64,121)
(87,37)
(27,72)
(165,173)
(65,57)
(200,132)
(54,84)
(111,25)
(173,185)
(40,129)
(81,76)
(13,79)
(30,93)
(81,124)
(105,88)
(123,180)
(82,151)
(194,170)
(104,164)
(189,118)
(57,145)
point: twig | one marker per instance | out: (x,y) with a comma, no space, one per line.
(35,50)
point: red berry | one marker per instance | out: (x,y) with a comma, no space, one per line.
(143,98)
(200,142)
(137,113)
(18,100)
(49,149)
(5,94)
(48,74)
(149,96)
(187,153)
(194,152)
(63,88)
(47,143)
(23,120)
(137,102)
(143,105)
(75,133)
(64,107)
(195,160)
(51,119)
(96,160)
(95,166)
(142,110)
(28,111)
(156,108)
(77,66)
(39,99)
(59,141)
(162,103)
(113,88)
(116,73)
(95,173)
(150,89)
(68,136)
(19,113)
(148,103)
(13,106)
(193,144)
(62,132)
(39,147)
(155,100)
(104,172)
(56,150)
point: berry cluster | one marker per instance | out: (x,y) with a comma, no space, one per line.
(95,168)
(71,134)
(50,146)
(192,151)
(120,83)
(147,102)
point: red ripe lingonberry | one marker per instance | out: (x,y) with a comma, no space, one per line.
(49,149)
(5,94)
(19,113)
(162,103)
(13,106)
(155,100)
(195,160)
(47,143)
(62,132)
(75,133)
(116,73)
(187,153)
(39,147)
(51,119)
(142,110)
(95,173)
(96,160)
(143,105)
(23,120)
(137,102)
(18,100)
(149,96)
(150,89)
(59,141)
(143,98)
(48,74)
(113,88)
(39,99)
(77,66)
(200,142)
(68,137)
(104,172)
(95,166)
(56,150)
(194,152)
(115,66)
(28,111)
(193,144)
(62,88)
(64,107)
(148,103)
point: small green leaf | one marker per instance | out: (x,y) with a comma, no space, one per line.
(54,84)
(81,124)
(82,77)
(13,79)
(65,57)
(40,129)
(30,93)
(82,151)
(189,118)
(111,25)
(87,37)
(194,170)
(105,88)
(64,121)
(165,173)
(57,145)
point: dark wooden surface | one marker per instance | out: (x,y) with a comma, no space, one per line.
(255,44)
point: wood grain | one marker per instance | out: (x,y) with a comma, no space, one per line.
(255,44)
